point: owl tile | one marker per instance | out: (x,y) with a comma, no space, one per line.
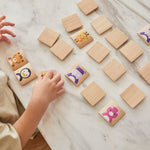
(112,113)
(77,74)
(17,60)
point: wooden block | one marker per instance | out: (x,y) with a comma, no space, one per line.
(48,37)
(114,69)
(61,49)
(132,96)
(145,73)
(144,34)
(17,60)
(72,22)
(82,38)
(112,113)
(131,51)
(98,52)
(93,93)
(101,24)
(25,74)
(87,6)
(77,74)
(42,74)
(116,38)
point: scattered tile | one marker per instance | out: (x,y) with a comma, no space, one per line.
(77,74)
(114,69)
(131,51)
(93,93)
(112,113)
(98,52)
(42,74)
(116,38)
(101,24)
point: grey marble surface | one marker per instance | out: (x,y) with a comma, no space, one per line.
(70,123)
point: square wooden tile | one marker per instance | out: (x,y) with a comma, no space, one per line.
(131,51)
(61,49)
(93,93)
(25,74)
(116,38)
(48,37)
(98,52)
(144,34)
(101,24)
(114,69)
(17,60)
(82,38)
(112,113)
(87,6)
(72,22)
(132,96)
(42,74)
(77,74)
(145,73)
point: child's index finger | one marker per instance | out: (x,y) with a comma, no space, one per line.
(49,74)
(57,78)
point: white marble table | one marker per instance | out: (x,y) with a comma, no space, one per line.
(70,123)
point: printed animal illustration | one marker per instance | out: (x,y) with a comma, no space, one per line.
(24,74)
(16,59)
(82,36)
(76,74)
(146,35)
(112,112)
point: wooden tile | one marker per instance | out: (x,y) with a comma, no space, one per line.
(61,49)
(145,73)
(144,34)
(25,74)
(42,74)
(77,74)
(93,93)
(101,24)
(48,37)
(98,52)
(87,6)
(131,51)
(82,38)
(132,96)
(112,113)
(116,38)
(72,22)
(17,60)
(114,69)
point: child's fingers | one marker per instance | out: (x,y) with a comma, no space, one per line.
(2,18)
(60,84)
(5,31)
(2,24)
(4,38)
(49,74)
(56,78)
(61,91)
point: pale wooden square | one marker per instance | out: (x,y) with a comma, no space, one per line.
(17,60)
(105,113)
(145,73)
(132,96)
(87,6)
(116,38)
(101,24)
(48,37)
(61,49)
(25,74)
(146,31)
(131,51)
(82,38)
(93,93)
(72,22)
(81,79)
(114,69)
(98,52)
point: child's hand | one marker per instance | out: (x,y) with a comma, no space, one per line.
(48,88)
(5,31)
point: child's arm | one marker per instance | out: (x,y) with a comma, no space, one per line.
(44,91)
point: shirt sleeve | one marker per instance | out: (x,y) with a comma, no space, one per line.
(9,138)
